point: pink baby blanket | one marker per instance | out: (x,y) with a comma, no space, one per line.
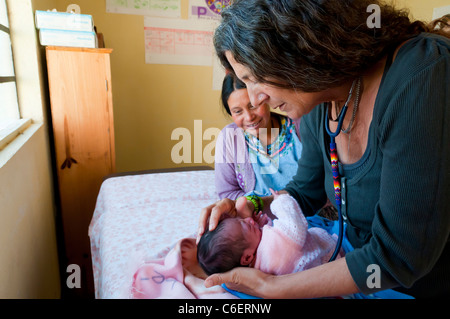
(175,276)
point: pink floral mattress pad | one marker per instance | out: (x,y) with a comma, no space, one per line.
(141,217)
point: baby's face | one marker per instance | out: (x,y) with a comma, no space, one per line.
(248,227)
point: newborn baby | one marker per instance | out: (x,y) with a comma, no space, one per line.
(282,246)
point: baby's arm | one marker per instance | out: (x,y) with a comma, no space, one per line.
(291,220)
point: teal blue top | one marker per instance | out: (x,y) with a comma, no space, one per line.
(276,164)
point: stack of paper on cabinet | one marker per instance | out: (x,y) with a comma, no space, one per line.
(65,29)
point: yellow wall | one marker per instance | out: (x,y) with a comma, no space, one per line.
(28,260)
(421,9)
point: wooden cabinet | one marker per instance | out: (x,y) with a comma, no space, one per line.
(83,129)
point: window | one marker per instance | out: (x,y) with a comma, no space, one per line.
(9,109)
(10,122)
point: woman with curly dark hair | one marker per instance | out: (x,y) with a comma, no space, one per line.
(389,168)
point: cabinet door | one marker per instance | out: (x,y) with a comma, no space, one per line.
(81,108)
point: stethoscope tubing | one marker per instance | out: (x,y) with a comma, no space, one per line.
(335,166)
(336,176)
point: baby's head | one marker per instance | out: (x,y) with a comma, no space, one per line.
(232,244)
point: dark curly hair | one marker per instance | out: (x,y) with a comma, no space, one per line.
(310,45)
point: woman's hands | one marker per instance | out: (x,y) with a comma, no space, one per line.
(243,279)
(212,214)
(327,280)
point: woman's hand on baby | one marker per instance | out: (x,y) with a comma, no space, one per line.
(243,279)
(211,215)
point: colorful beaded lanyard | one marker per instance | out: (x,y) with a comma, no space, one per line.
(335,166)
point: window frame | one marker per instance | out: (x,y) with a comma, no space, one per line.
(12,127)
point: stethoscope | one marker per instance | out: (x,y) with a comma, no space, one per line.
(335,167)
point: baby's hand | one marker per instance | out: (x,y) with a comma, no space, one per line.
(261,219)
(274,193)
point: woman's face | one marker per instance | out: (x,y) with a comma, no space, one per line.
(246,116)
(294,103)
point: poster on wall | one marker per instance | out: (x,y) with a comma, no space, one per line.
(175,41)
(207,9)
(156,8)
(178,41)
